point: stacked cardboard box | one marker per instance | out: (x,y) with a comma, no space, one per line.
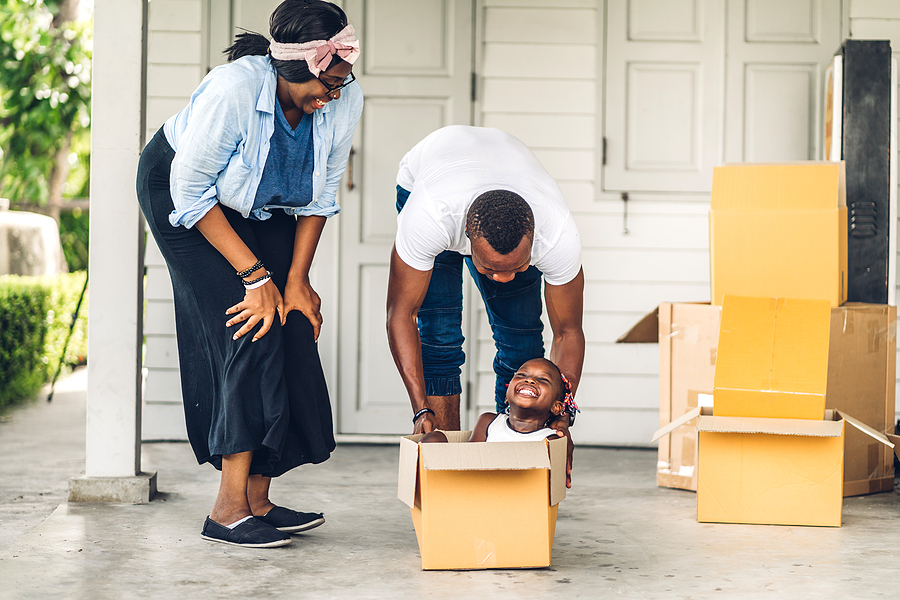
(779,231)
(861,367)
(768,452)
(767,455)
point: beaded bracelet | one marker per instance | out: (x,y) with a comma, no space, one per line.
(257,283)
(245,272)
(422,412)
(257,280)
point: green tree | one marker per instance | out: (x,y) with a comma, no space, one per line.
(45,60)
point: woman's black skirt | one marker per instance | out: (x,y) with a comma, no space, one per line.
(267,396)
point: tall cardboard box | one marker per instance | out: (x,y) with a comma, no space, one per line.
(688,339)
(483,505)
(861,382)
(772,358)
(779,230)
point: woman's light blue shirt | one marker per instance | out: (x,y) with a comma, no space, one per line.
(221,142)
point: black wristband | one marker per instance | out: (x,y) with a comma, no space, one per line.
(422,412)
(246,272)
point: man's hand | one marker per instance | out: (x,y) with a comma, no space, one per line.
(425,424)
(561,425)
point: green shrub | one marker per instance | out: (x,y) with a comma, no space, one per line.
(73,234)
(35,315)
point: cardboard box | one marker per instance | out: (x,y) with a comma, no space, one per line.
(688,339)
(771,471)
(483,505)
(780,231)
(861,382)
(862,360)
(772,358)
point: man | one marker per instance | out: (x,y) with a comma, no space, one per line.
(479,196)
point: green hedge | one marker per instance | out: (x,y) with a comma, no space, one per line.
(35,315)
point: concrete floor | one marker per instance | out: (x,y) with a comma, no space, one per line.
(618,533)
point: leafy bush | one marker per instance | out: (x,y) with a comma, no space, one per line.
(35,315)
(73,233)
(45,88)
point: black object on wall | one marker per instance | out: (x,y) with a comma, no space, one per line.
(866,150)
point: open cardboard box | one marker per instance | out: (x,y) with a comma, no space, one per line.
(483,505)
(771,471)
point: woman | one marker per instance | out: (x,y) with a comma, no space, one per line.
(236,189)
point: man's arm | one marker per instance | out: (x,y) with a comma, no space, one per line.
(565,309)
(406,292)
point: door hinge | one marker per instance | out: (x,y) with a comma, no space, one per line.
(474,81)
(468,396)
(603,153)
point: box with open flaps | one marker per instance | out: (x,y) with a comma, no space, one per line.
(483,505)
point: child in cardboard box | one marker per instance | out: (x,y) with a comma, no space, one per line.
(536,395)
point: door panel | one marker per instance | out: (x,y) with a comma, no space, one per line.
(777,54)
(415,70)
(663,104)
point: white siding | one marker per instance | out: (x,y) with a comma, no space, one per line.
(877,20)
(176,62)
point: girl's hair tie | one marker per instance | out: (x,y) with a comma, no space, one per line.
(569,399)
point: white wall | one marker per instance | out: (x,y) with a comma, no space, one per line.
(175,65)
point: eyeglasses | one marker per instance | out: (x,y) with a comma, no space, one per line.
(332,89)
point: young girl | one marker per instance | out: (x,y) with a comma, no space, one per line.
(537,394)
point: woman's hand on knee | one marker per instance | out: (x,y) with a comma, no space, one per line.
(259,304)
(300,295)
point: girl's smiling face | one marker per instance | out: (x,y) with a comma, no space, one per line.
(536,386)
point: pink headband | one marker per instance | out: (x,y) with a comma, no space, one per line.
(318,53)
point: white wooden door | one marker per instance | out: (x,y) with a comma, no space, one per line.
(416,71)
(663,94)
(777,56)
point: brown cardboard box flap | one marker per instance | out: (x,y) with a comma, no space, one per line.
(557,470)
(485,456)
(870,431)
(644,331)
(408,472)
(767,186)
(774,426)
(461,456)
(682,420)
(895,439)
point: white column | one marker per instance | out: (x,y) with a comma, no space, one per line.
(113,453)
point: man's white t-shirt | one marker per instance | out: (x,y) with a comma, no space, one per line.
(446,171)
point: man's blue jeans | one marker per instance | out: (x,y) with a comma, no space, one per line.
(513,310)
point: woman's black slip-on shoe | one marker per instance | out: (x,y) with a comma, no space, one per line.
(291,521)
(252,533)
